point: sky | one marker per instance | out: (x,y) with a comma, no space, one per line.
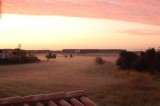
(80,24)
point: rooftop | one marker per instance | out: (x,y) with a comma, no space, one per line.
(73,98)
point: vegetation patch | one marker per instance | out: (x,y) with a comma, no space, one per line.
(18,56)
(148,61)
(50,55)
(99,61)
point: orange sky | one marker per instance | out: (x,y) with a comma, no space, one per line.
(58,24)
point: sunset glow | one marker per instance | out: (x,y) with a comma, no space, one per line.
(66,30)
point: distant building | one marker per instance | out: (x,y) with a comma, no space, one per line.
(91,51)
(77,51)
(38,51)
(5,53)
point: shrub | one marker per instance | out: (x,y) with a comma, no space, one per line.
(65,56)
(140,64)
(99,60)
(19,56)
(71,55)
(126,59)
(19,53)
(151,52)
(147,61)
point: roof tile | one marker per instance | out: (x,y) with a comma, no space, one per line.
(87,101)
(10,100)
(51,103)
(73,98)
(25,104)
(76,102)
(64,103)
(39,104)
(75,93)
(33,98)
(52,96)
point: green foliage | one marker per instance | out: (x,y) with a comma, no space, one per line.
(99,61)
(146,61)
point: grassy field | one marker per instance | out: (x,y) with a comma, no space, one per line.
(112,88)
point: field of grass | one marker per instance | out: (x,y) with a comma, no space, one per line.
(112,88)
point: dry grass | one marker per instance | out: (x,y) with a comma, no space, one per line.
(112,88)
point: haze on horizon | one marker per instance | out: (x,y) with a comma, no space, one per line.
(58,24)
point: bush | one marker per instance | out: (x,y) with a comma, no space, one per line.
(146,61)
(71,55)
(99,60)
(126,59)
(19,53)
(19,56)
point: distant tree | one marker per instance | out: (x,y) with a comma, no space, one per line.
(54,56)
(50,55)
(19,53)
(151,52)
(19,56)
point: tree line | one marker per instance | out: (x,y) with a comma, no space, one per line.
(148,61)
(19,56)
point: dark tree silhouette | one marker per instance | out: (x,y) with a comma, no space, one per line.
(148,61)
(65,56)
(126,59)
(50,55)
(19,53)
(99,61)
(19,56)
(54,56)
(71,55)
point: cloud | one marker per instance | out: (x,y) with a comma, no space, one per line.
(140,11)
(140,32)
(110,1)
